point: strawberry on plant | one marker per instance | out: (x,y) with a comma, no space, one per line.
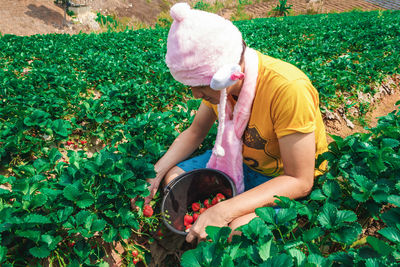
(135,260)
(135,253)
(160,233)
(71,244)
(196,206)
(188,219)
(147,211)
(83,142)
(70,143)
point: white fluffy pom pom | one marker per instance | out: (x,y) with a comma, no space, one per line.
(180,11)
(219,151)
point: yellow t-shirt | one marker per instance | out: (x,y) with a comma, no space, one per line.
(285,103)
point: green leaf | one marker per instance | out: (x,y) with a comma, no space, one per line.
(41,165)
(346,216)
(391,233)
(110,234)
(38,200)
(255,229)
(394,199)
(347,234)
(51,241)
(312,234)
(40,252)
(267,214)
(265,250)
(98,225)
(125,232)
(317,194)
(327,218)
(218,234)
(61,127)
(318,260)
(380,246)
(3,253)
(191,258)
(36,219)
(82,249)
(279,261)
(85,200)
(298,255)
(390,142)
(71,192)
(33,235)
(332,189)
(82,216)
(286,215)
(54,155)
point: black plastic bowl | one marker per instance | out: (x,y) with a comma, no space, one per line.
(189,187)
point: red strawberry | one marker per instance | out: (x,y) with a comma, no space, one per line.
(220,196)
(83,142)
(195,216)
(70,143)
(188,226)
(147,211)
(75,146)
(33,135)
(71,244)
(135,253)
(188,219)
(214,201)
(202,210)
(207,203)
(196,206)
(160,233)
(135,260)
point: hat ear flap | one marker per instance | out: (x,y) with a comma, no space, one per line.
(226,76)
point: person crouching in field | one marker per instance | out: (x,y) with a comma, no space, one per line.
(270,128)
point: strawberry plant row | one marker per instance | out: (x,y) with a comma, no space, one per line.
(54,85)
(331,227)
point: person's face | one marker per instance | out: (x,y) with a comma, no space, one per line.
(206,93)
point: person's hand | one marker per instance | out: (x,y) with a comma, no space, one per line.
(153,187)
(214,216)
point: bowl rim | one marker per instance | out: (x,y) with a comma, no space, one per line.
(169,186)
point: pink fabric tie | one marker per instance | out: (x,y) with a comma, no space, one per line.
(230,130)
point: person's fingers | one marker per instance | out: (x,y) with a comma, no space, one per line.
(190,237)
(153,191)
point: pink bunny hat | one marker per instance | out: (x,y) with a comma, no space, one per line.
(199,44)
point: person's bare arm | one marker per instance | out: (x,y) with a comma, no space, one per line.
(298,155)
(183,146)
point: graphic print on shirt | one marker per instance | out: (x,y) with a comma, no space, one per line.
(253,139)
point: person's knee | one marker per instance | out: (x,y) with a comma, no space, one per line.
(242,220)
(172,174)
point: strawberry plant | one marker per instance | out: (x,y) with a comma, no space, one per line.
(361,186)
